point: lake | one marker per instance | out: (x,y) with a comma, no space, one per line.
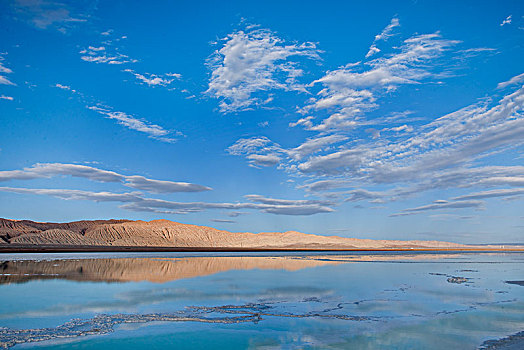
(316,300)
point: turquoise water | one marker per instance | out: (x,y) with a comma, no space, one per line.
(260,301)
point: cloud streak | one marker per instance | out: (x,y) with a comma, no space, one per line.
(153,80)
(3,71)
(383,36)
(48,170)
(134,201)
(152,130)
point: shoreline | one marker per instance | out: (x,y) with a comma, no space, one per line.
(12,248)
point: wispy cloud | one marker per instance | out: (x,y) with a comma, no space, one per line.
(506,21)
(352,90)
(259,150)
(224,221)
(103,54)
(48,170)
(3,71)
(8,98)
(513,81)
(383,36)
(134,201)
(152,130)
(505,192)
(158,186)
(443,204)
(250,64)
(58,15)
(154,79)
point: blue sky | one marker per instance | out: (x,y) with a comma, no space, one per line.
(394,120)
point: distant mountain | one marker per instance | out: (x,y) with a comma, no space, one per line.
(165,233)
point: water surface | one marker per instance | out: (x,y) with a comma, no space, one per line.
(260,300)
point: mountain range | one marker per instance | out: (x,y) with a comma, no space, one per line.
(169,234)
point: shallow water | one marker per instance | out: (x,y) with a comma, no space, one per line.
(260,301)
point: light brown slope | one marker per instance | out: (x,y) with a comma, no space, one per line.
(52,236)
(164,233)
(169,233)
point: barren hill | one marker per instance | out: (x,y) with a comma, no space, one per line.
(165,233)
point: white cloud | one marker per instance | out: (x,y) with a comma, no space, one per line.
(103,55)
(4,70)
(48,170)
(8,98)
(515,80)
(158,186)
(506,21)
(352,90)
(383,36)
(503,180)
(154,131)
(264,159)
(314,145)
(135,202)
(259,150)
(77,194)
(506,192)
(325,185)
(154,79)
(362,194)
(58,15)
(292,202)
(338,162)
(442,204)
(251,62)
(65,87)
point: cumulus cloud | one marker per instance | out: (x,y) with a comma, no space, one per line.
(152,130)
(254,61)
(48,170)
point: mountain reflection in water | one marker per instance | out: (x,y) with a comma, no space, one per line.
(161,270)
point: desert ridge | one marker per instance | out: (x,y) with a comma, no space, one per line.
(165,234)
